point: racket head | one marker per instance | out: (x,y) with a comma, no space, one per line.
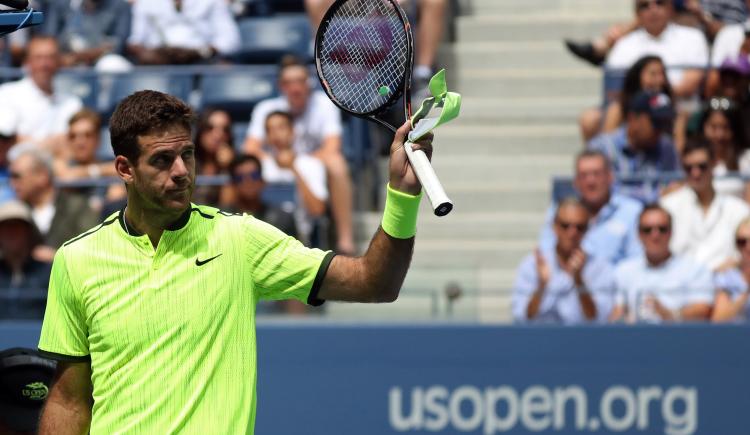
(364,51)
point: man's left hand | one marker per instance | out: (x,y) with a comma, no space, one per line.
(402,176)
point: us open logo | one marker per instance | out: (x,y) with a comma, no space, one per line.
(35,391)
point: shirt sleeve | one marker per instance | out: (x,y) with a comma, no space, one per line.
(226,37)
(331,117)
(601,284)
(523,289)
(547,236)
(313,173)
(283,268)
(257,129)
(700,285)
(64,331)
(139,25)
(725,45)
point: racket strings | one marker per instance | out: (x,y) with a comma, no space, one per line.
(364,54)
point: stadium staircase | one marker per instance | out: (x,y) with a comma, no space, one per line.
(522,92)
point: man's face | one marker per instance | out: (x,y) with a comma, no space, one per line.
(164,176)
(43,61)
(571,224)
(293,83)
(27,179)
(698,170)
(279,132)
(247,181)
(655,231)
(654,15)
(593,179)
(15,238)
(742,241)
(84,141)
(641,132)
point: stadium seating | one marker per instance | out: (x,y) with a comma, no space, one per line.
(267,39)
(118,86)
(83,84)
(238,90)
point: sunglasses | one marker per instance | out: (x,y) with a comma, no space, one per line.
(642,6)
(741,242)
(247,176)
(648,229)
(702,167)
(568,225)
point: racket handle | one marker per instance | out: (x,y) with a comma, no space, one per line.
(441,204)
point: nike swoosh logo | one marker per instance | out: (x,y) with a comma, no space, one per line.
(201,263)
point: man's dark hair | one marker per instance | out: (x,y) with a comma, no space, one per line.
(655,207)
(286,115)
(593,153)
(241,160)
(89,114)
(289,61)
(143,113)
(697,143)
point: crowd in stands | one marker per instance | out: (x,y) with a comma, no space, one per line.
(658,229)
(288,165)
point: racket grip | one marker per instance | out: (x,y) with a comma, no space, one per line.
(440,202)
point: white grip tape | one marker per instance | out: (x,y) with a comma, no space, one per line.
(441,204)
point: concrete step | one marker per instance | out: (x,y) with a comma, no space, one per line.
(520,112)
(512,141)
(504,83)
(508,54)
(613,8)
(530,27)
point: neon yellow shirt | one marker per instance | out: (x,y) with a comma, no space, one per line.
(170,332)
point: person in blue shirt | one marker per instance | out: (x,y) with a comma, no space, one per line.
(660,286)
(732,289)
(643,147)
(612,233)
(564,285)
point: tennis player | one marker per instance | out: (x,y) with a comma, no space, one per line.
(151,313)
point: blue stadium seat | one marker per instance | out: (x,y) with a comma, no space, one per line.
(238,90)
(267,39)
(612,84)
(82,84)
(118,86)
(282,195)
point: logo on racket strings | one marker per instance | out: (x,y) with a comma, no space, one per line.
(364,48)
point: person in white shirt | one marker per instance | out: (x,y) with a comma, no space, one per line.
(684,50)
(704,220)
(40,112)
(731,41)
(182,31)
(285,165)
(660,286)
(317,126)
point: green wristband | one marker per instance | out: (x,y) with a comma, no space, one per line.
(400,214)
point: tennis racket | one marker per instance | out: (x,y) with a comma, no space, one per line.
(364,55)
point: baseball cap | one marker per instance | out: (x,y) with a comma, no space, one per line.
(15,209)
(738,64)
(25,380)
(658,105)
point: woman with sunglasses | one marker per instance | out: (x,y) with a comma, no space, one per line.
(732,286)
(214,149)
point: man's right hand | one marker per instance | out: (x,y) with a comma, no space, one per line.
(543,272)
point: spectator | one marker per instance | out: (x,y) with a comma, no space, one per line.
(41,113)
(733,291)
(732,82)
(214,150)
(317,127)
(59,216)
(731,41)
(564,285)
(21,276)
(703,219)
(7,139)
(683,49)
(247,195)
(182,31)
(643,146)
(647,74)
(88,30)
(660,286)
(612,234)
(82,163)
(431,21)
(285,165)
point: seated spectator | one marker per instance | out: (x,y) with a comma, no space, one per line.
(684,50)
(643,146)
(82,163)
(731,41)
(660,286)
(41,113)
(88,30)
(703,220)
(182,31)
(317,125)
(285,165)
(612,228)
(647,74)
(247,187)
(214,151)
(732,289)
(23,280)
(7,140)
(564,285)
(429,33)
(59,216)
